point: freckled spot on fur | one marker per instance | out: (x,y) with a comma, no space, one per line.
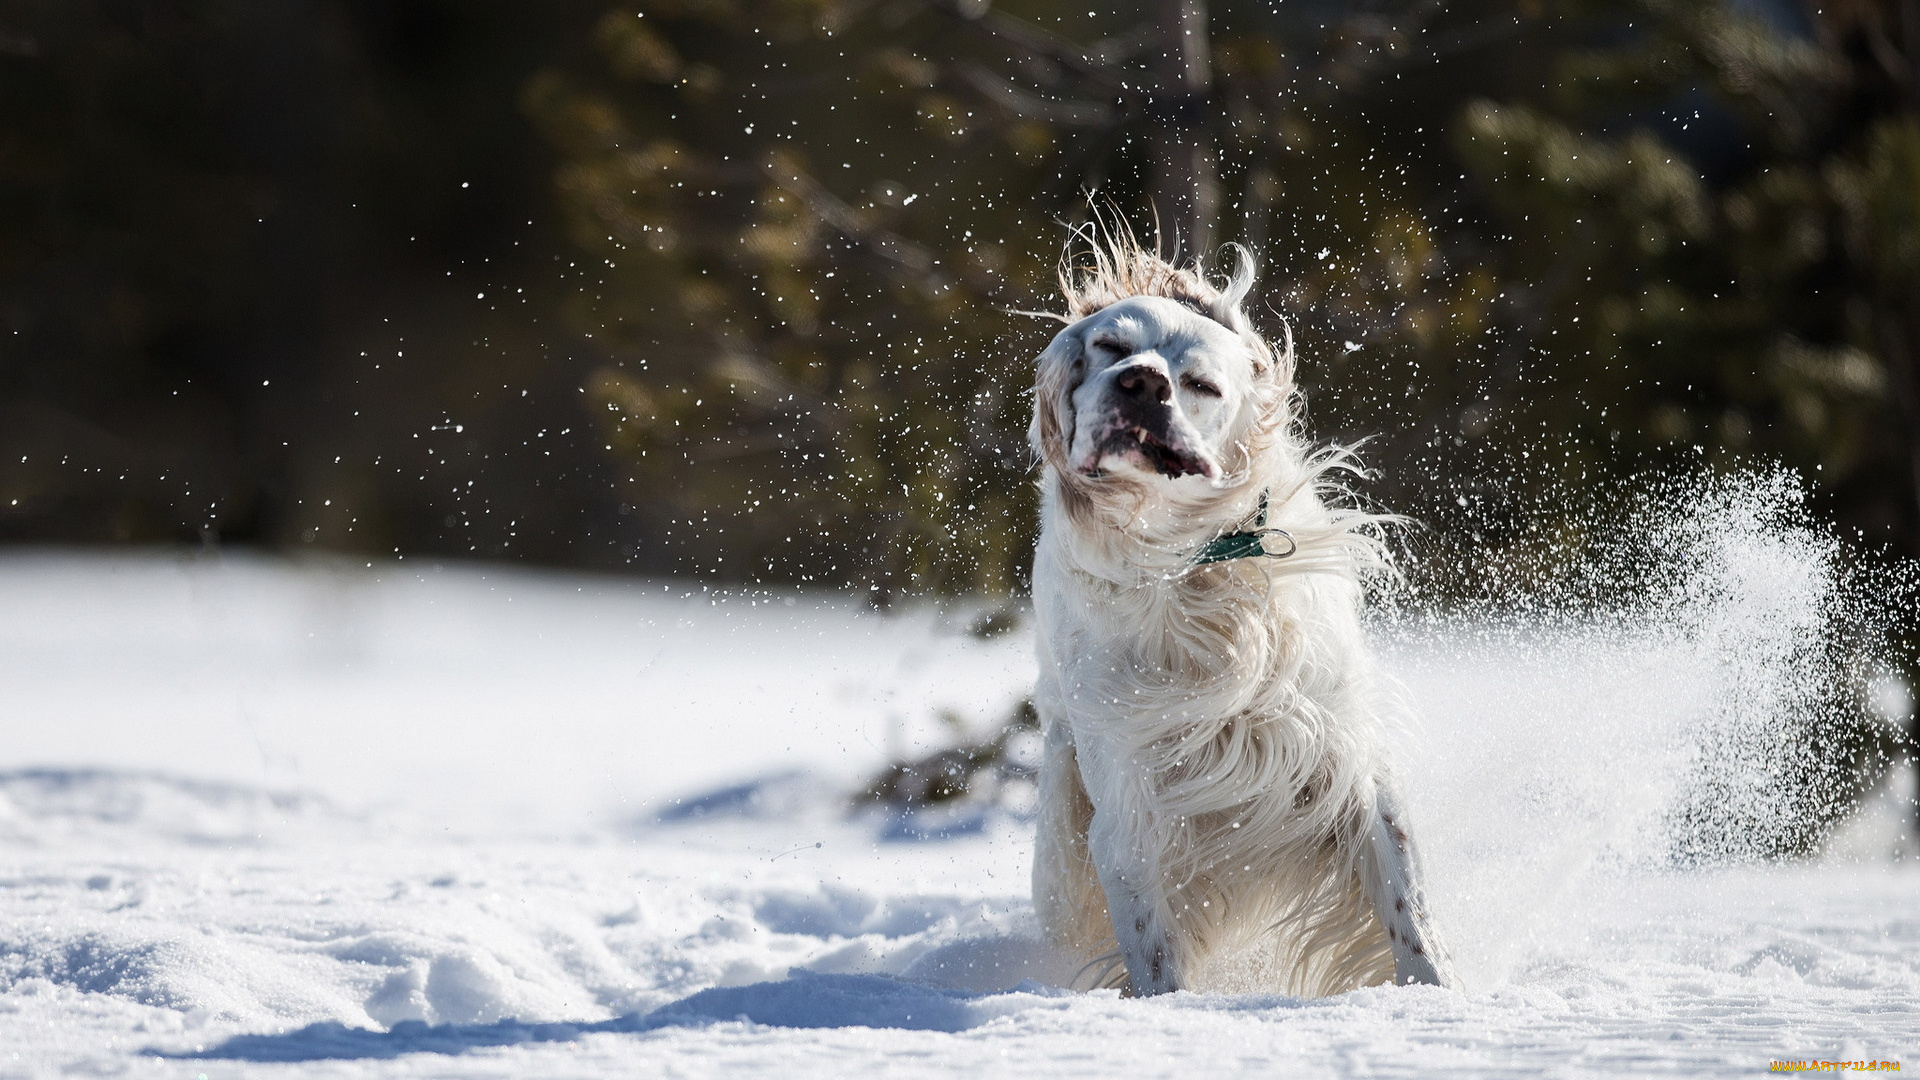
(1391,936)
(1419,951)
(1139,926)
(1399,903)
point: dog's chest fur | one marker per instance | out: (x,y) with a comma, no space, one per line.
(1178,659)
(1224,712)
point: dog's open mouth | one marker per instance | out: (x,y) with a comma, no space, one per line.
(1167,453)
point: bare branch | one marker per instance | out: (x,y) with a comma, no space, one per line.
(1022,102)
(1032,42)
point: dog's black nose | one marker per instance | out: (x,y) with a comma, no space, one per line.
(1143,383)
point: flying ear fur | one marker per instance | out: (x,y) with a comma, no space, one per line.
(1104,264)
(1051,431)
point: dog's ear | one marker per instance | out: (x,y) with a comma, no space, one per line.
(1057,373)
(1226,305)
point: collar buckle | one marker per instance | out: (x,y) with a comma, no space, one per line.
(1256,543)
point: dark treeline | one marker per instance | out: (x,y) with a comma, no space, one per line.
(723,286)
(242,252)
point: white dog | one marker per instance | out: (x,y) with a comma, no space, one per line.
(1215,805)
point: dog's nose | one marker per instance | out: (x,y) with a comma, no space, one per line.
(1143,383)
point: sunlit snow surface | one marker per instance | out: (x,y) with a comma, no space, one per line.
(263,818)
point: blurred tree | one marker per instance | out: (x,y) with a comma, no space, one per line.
(284,273)
(815,216)
(1703,237)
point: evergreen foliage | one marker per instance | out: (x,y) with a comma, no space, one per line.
(1702,232)
(819,219)
(244,293)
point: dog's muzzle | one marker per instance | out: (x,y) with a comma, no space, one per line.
(1140,422)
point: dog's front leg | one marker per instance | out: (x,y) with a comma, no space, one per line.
(1066,887)
(1390,872)
(1135,901)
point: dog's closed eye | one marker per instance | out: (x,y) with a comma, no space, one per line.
(1200,386)
(1107,349)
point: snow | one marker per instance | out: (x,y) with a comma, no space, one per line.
(489,699)
(266,818)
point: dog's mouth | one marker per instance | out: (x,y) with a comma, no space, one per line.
(1168,451)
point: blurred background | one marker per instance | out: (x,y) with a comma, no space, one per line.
(728,289)
(598,285)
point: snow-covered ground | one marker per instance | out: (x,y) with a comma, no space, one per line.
(262,818)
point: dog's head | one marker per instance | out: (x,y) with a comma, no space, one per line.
(1159,380)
